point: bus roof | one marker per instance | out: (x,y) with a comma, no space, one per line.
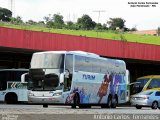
(69,52)
(83,53)
(149,76)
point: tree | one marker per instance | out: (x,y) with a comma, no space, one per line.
(49,21)
(47,18)
(58,21)
(42,23)
(70,25)
(98,26)
(104,27)
(31,22)
(158,31)
(86,23)
(5,14)
(115,23)
(16,20)
(133,29)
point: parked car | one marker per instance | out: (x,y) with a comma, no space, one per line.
(149,98)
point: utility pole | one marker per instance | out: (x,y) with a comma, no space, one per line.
(11,6)
(99,13)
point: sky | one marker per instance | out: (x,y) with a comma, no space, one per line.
(143,18)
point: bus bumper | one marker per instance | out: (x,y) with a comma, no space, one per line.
(41,100)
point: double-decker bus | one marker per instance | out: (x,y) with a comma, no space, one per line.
(12,88)
(77,78)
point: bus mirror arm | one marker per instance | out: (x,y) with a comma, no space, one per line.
(133,83)
(61,84)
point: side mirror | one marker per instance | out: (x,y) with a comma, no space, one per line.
(66,73)
(24,77)
(61,78)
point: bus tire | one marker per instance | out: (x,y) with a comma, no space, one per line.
(76,100)
(104,106)
(45,106)
(11,98)
(109,101)
(84,106)
(114,102)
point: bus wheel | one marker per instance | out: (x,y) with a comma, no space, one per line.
(114,102)
(84,106)
(45,106)
(109,102)
(104,106)
(76,101)
(11,98)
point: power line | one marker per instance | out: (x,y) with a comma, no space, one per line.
(11,6)
(99,12)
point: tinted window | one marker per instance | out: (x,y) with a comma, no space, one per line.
(83,64)
(69,63)
(88,64)
(155,83)
(157,94)
(103,65)
(139,85)
(142,82)
(47,60)
(95,65)
(9,76)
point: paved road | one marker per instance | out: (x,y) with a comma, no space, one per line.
(37,112)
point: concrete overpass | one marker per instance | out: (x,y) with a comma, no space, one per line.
(17,46)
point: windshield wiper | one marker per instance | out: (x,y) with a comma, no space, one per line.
(49,89)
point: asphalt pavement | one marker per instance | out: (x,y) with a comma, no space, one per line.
(53,112)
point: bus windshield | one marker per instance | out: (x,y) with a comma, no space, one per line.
(47,60)
(140,83)
(45,71)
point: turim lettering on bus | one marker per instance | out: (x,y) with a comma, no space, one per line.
(89,77)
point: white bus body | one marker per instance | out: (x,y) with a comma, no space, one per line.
(77,78)
(12,88)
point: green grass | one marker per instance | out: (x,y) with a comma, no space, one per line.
(95,34)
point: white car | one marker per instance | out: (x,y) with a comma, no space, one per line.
(149,98)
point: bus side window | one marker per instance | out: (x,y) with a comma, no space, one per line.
(153,84)
(3,80)
(69,72)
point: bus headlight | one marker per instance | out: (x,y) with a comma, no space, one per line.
(30,94)
(57,94)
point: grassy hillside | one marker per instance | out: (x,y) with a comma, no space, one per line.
(96,34)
